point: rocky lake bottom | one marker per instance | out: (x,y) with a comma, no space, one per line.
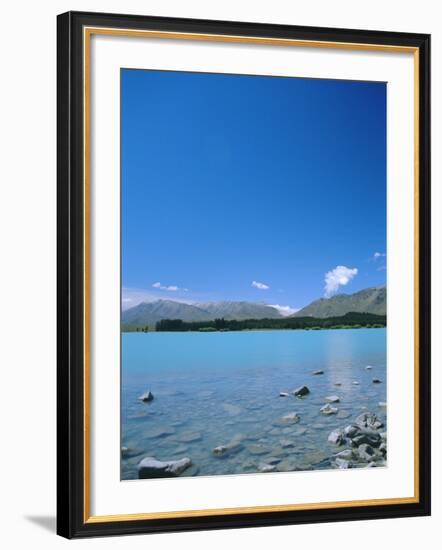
(224,403)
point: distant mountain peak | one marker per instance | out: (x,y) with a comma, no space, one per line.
(367,300)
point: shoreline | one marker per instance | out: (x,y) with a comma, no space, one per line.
(320,329)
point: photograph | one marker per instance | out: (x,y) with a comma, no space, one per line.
(253,274)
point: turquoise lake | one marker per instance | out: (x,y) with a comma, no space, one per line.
(214,388)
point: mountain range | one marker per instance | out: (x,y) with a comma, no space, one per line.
(369,300)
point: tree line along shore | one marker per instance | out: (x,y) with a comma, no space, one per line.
(350,320)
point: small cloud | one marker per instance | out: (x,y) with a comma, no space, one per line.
(170,288)
(259,285)
(285,310)
(378,255)
(339,276)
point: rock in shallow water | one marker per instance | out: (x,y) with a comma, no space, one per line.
(266,468)
(150,467)
(328,409)
(377,381)
(343,464)
(293,418)
(336,437)
(301,391)
(283,394)
(146,397)
(332,399)
(317,372)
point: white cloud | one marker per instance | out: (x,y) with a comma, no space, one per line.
(285,310)
(378,255)
(170,288)
(339,276)
(259,285)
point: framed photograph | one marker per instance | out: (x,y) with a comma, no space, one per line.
(243,274)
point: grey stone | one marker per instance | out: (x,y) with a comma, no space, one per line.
(366,452)
(336,437)
(146,397)
(368,420)
(351,431)
(301,391)
(328,409)
(151,467)
(343,464)
(347,454)
(266,468)
(283,394)
(332,399)
(377,381)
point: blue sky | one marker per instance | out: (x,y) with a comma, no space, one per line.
(251,188)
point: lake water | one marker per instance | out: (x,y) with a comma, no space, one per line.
(214,388)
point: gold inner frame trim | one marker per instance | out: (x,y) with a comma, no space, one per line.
(88,32)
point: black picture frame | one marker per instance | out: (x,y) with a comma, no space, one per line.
(71,519)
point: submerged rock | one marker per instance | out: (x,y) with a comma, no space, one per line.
(301,391)
(368,367)
(332,399)
(189,437)
(355,383)
(283,394)
(233,410)
(377,381)
(151,467)
(159,431)
(328,409)
(317,372)
(382,404)
(232,447)
(293,418)
(257,449)
(146,397)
